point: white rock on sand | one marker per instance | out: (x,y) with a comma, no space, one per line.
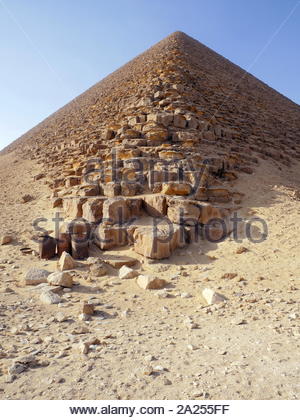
(127,273)
(36,276)
(50,298)
(212,297)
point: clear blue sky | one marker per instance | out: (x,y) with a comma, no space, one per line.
(53,50)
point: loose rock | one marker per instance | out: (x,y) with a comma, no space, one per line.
(66,262)
(212,297)
(98,269)
(62,279)
(150,282)
(88,308)
(127,273)
(36,276)
(50,298)
(26,198)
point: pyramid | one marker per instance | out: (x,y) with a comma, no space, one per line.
(148,157)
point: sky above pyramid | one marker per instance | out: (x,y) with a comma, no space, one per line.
(56,50)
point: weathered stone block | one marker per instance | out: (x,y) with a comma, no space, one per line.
(157,135)
(108,237)
(108,134)
(184,212)
(115,211)
(155,205)
(47,247)
(92,210)
(158,241)
(135,206)
(177,188)
(73,207)
(79,247)
(71,181)
(179,121)
(221,195)
(111,189)
(170,154)
(64,239)
(128,189)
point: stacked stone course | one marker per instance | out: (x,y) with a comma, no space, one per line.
(165,137)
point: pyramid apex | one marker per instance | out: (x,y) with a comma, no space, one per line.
(178,34)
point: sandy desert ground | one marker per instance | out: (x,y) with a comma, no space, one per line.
(151,344)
